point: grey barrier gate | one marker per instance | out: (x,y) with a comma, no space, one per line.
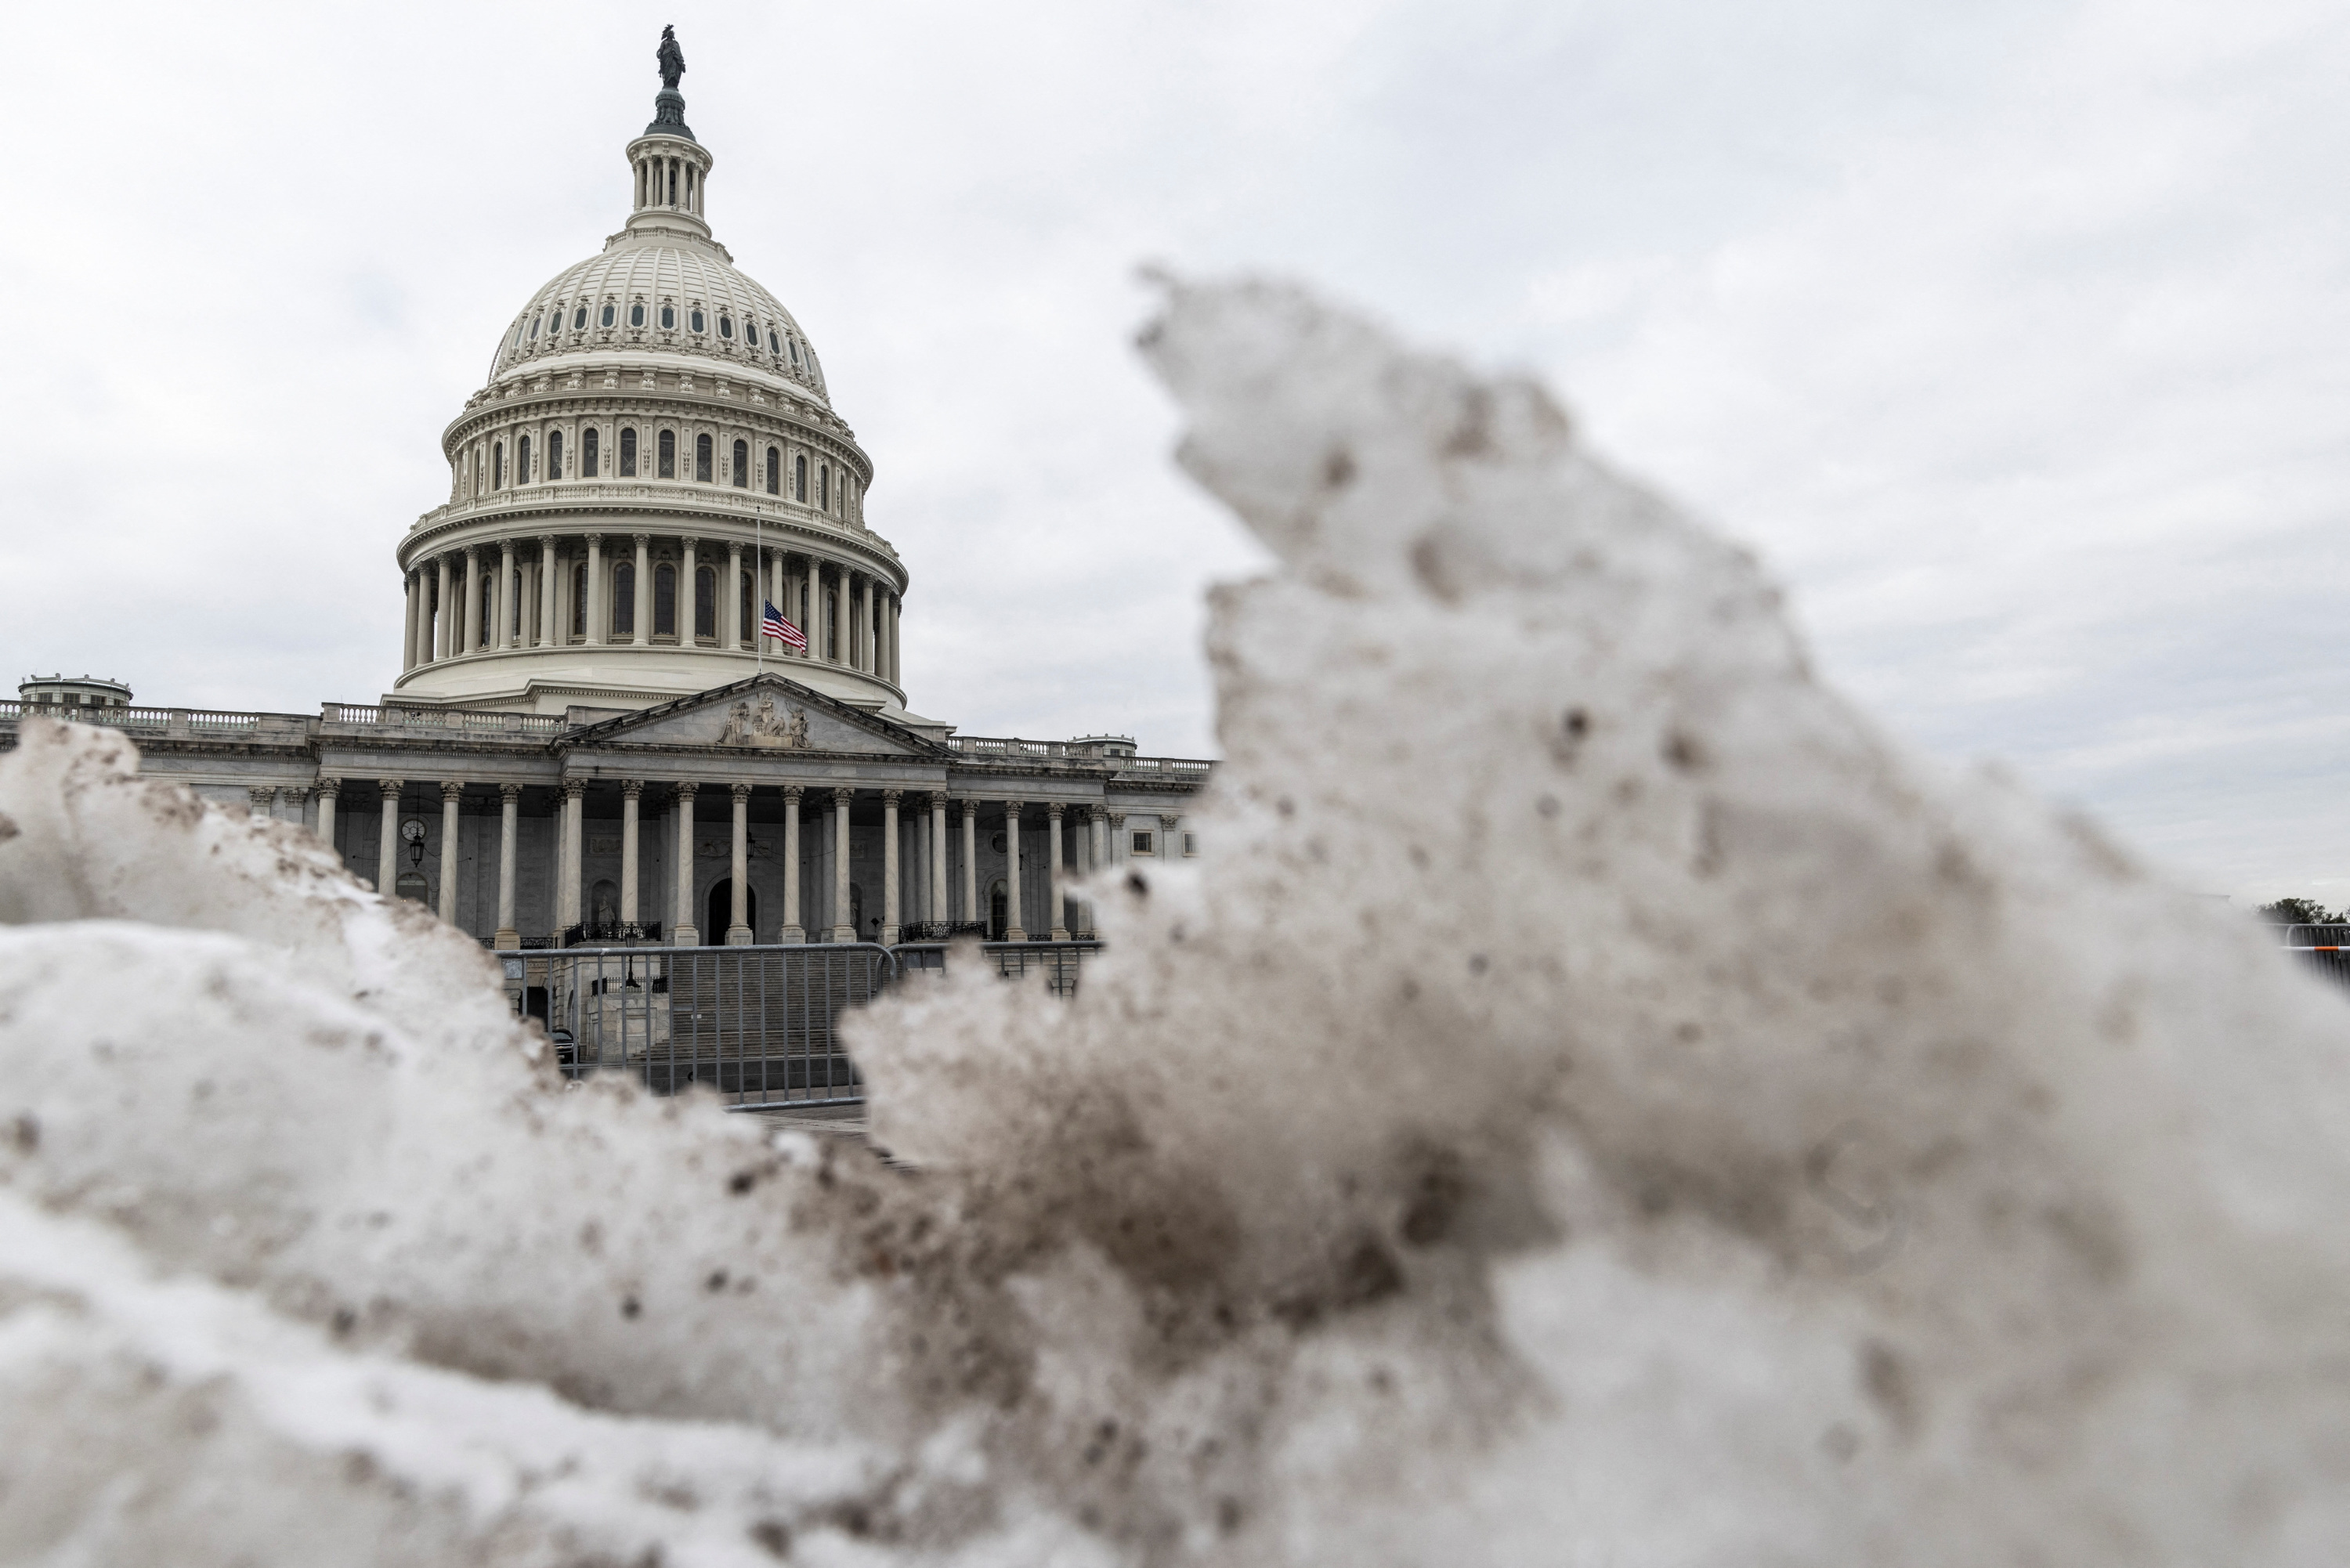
(2324,948)
(758,1024)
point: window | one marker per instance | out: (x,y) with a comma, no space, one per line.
(668,455)
(705,602)
(749,621)
(580,600)
(668,317)
(1190,844)
(555,454)
(498,466)
(796,352)
(521,459)
(741,465)
(1140,841)
(489,608)
(624,600)
(800,478)
(775,471)
(823,487)
(702,458)
(591,442)
(606,319)
(773,346)
(726,328)
(695,319)
(579,318)
(520,328)
(664,600)
(628,455)
(637,314)
(534,328)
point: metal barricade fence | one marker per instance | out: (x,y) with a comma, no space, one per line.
(758,1024)
(2324,948)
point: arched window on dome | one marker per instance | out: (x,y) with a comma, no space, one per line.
(695,319)
(795,351)
(668,455)
(521,459)
(741,465)
(664,600)
(702,458)
(775,471)
(637,314)
(591,442)
(579,599)
(668,317)
(705,602)
(823,487)
(579,319)
(628,455)
(606,319)
(554,455)
(498,466)
(726,327)
(774,345)
(800,478)
(624,600)
(534,328)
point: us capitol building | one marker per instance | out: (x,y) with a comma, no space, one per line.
(590,738)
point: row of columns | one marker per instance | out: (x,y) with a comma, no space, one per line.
(1100,843)
(867,609)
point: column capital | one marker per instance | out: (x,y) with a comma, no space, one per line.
(595,540)
(685,791)
(546,541)
(892,798)
(294,793)
(630,789)
(1013,807)
(934,800)
(735,547)
(329,787)
(510,793)
(792,793)
(741,791)
(472,553)
(688,540)
(970,807)
(1082,812)
(390,788)
(841,797)
(574,788)
(262,797)
(1054,810)
(1117,817)
(452,789)
(642,539)
(1167,822)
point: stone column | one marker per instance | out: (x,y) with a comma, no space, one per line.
(686,935)
(290,799)
(473,599)
(506,637)
(731,613)
(1170,838)
(1013,930)
(1081,920)
(792,930)
(938,910)
(452,791)
(641,595)
(632,798)
(738,930)
(771,590)
(864,616)
(688,597)
(1057,901)
(261,803)
(970,860)
(842,930)
(329,793)
(548,633)
(509,812)
(387,854)
(569,860)
(407,628)
(444,639)
(890,910)
(896,612)
(595,616)
(1118,837)
(828,612)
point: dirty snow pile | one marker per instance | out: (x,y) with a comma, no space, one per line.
(1600,1105)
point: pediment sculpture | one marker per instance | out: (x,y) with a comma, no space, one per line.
(763,727)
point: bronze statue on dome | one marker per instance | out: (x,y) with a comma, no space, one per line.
(671,59)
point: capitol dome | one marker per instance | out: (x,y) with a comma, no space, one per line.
(652,465)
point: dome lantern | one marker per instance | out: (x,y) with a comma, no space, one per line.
(669,168)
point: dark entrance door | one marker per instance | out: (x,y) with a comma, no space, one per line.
(995,927)
(720,912)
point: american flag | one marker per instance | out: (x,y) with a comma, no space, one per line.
(783,631)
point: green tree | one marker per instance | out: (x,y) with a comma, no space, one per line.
(2299,912)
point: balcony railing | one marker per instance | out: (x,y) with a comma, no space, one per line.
(1010,749)
(464,721)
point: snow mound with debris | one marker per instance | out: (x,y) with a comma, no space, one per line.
(1601,1103)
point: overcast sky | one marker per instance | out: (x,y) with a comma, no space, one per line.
(2016,336)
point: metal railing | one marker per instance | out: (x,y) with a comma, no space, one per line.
(759,1025)
(2323,948)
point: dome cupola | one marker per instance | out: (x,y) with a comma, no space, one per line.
(653,462)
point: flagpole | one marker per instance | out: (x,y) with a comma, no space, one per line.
(759,575)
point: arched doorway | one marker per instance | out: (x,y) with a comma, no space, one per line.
(718,911)
(995,913)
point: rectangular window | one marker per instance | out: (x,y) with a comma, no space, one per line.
(628,455)
(668,455)
(1141,842)
(498,466)
(705,602)
(624,600)
(775,471)
(702,458)
(590,445)
(799,479)
(1190,844)
(554,455)
(521,459)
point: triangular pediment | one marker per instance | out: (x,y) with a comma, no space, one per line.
(764,715)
